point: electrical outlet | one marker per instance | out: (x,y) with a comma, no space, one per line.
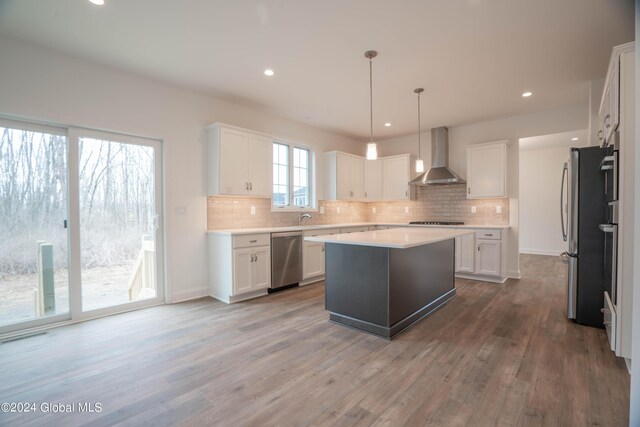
(406,209)
(181,210)
(338,209)
(373,209)
(498,209)
(253,210)
(473,209)
(321,210)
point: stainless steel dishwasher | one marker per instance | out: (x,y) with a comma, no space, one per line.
(286,260)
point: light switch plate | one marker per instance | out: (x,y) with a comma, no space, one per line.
(373,209)
(253,210)
(338,209)
(406,209)
(498,209)
(473,209)
(321,210)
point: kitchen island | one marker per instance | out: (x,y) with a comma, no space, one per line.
(383,281)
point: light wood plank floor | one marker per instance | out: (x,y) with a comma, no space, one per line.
(495,355)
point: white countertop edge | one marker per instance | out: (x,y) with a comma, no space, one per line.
(380,239)
(260,230)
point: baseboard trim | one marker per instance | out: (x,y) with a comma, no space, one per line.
(480,278)
(188,295)
(514,275)
(540,252)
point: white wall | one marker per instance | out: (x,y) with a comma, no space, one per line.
(634,402)
(540,226)
(42,84)
(510,128)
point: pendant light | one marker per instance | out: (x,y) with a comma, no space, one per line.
(372,148)
(419,162)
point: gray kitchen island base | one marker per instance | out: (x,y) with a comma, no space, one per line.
(383,290)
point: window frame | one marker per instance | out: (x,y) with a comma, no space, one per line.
(311,174)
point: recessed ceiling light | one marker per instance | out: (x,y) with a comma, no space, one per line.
(97,2)
(574,139)
(526,94)
(387,124)
(268,72)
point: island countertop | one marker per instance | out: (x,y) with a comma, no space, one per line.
(397,238)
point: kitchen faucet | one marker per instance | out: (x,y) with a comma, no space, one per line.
(303,216)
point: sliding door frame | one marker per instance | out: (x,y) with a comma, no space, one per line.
(75,313)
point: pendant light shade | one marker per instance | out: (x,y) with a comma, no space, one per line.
(419,162)
(372,147)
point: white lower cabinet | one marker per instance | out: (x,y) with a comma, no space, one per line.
(312,260)
(479,255)
(488,257)
(465,245)
(239,266)
(313,256)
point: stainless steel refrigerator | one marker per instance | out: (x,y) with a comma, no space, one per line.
(583,208)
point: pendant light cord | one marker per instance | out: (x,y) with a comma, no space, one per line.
(419,130)
(371,94)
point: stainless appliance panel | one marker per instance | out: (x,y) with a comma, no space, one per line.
(572,194)
(286,259)
(611,257)
(572,283)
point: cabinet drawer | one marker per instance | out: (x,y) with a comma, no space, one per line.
(322,232)
(488,234)
(250,240)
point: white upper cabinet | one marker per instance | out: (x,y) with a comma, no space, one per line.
(344,176)
(373,180)
(396,172)
(487,170)
(239,162)
(609,113)
(260,165)
(349,177)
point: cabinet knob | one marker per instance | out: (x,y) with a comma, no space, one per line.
(478,248)
(251,186)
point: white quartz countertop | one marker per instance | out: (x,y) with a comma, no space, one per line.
(398,238)
(241,231)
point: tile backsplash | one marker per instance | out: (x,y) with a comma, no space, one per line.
(443,203)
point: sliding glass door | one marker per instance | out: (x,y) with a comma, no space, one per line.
(119,219)
(34,274)
(80,224)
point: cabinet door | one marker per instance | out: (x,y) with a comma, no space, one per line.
(242,266)
(343,177)
(234,167)
(465,253)
(261,268)
(373,180)
(312,259)
(357,178)
(488,257)
(395,172)
(260,165)
(487,171)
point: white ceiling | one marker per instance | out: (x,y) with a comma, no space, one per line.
(554,140)
(473,57)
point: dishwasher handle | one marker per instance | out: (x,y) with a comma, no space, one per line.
(286,234)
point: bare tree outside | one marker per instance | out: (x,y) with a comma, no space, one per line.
(116,211)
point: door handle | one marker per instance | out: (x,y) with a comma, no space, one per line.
(251,186)
(565,173)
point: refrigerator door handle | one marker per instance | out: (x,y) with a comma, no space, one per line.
(565,172)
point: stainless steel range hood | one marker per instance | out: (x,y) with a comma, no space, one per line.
(439,173)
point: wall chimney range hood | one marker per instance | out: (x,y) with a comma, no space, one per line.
(439,173)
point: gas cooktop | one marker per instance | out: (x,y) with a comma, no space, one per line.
(437,222)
